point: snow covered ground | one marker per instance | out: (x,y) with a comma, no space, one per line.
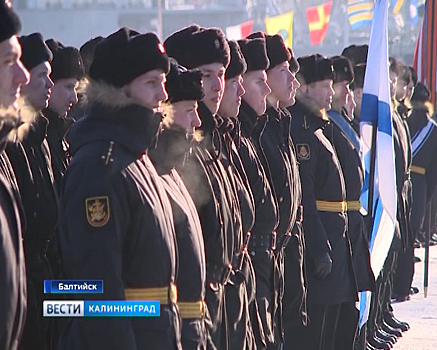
(420,312)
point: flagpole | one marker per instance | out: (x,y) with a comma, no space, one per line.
(372,172)
(426,260)
(431,48)
(431,66)
(160,29)
(347,27)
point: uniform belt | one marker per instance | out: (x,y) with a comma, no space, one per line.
(193,309)
(165,295)
(418,169)
(334,207)
(353,205)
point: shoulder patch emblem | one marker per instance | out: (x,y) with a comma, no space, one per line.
(303,151)
(97,211)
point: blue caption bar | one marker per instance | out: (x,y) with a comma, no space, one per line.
(107,308)
(123,308)
(73,286)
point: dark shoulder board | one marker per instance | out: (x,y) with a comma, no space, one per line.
(109,153)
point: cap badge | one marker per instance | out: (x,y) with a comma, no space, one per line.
(161,48)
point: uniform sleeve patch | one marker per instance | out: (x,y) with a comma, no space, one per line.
(97,211)
(303,151)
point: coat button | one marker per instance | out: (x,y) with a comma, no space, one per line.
(34,214)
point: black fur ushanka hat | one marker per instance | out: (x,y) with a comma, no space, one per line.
(195,46)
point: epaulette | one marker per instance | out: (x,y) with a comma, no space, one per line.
(110,154)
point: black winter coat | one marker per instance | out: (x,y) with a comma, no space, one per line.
(13,290)
(423,130)
(212,190)
(31,161)
(403,159)
(56,130)
(277,145)
(240,291)
(280,166)
(325,231)
(116,223)
(266,221)
(172,148)
(353,174)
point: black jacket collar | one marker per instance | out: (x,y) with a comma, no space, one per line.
(58,125)
(37,131)
(172,148)
(209,123)
(248,119)
(310,118)
(112,116)
(134,127)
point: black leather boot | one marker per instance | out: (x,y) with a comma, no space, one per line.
(391,330)
(386,337)
(395,323)
(379,344)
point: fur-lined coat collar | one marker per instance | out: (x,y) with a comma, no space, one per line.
(308,113)
(420,114)
(112,116)
(15,124)
(38,130)
(423,106)
(9,121)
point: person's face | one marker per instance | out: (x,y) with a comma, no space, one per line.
(63,96)
(350,104)
(358,96)
(321,92)
(280,81)
(38,91)
(148,89)
(213,85)
(185,115)
(12,72)
(401,90)
(255,85)
(295,87)
(231,101)
(410,90)
(341,92)
(393,80)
